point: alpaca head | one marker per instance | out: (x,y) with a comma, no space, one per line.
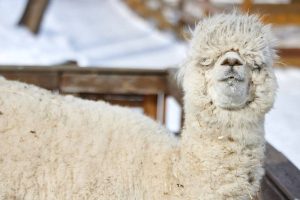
(229,65)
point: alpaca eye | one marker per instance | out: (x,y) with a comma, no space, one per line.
(205,61)
(257,67)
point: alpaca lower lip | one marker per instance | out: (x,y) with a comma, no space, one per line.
(231,78)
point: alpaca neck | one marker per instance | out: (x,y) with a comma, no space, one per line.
(208,121)
(215,147)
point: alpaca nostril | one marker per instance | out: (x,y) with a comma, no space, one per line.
(231,62)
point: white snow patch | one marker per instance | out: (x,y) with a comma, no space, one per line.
(283,122)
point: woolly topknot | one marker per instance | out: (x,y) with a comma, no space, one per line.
(243,33)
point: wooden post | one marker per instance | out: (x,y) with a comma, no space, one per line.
(247,5)
(33,14)
(150,106)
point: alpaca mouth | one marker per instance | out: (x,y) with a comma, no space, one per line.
(232,77)
(230,91)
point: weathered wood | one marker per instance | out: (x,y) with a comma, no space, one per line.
(33,14)
(289,57)
(143,10)
(289,52)
(150,106)
(246,5)
(276,9)
(282,173)
(113,84)
(275,13)
(269,191)
(123,100)
(48,80)
(84,70)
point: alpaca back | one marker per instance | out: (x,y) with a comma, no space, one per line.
(55,147)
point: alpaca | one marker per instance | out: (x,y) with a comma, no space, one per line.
(62,147)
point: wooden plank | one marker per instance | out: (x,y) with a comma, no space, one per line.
(276,8)
(143,10)
(280,14)
(289,52)
(282,173)
(247,5)
(150,106)
(269,191)
(289,61)
(113,84)
(282,19)
(76,69)
(289,57)
(123,100)
(48,80)
(33,14)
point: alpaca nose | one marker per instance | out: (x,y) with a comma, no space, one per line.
(231,59)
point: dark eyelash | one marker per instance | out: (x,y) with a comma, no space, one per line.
(257,67)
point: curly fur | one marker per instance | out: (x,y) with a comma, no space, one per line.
(56,147)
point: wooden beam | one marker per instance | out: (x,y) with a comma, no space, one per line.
(282,173)
(150,106)
(280,14)
(123,100)
(113,84)
(143,10)
(289,57)
(33,14)
(48,80)
(247,5)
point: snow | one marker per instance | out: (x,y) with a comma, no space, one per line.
(90,32)
(283,122)
(7,7)
(106,33)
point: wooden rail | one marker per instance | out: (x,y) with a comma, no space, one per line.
(282,179)
(130,87)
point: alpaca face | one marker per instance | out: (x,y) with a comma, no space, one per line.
(230,79)
(229,65)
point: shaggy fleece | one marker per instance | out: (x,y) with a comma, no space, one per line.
(62,147)
(55,147)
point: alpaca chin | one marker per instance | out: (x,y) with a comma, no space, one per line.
(231,94)
(230,82)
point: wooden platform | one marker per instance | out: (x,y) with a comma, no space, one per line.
(282,179)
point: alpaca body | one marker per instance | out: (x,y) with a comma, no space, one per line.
(55,147)
(67,148)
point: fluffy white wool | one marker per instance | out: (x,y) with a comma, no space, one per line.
(55,147)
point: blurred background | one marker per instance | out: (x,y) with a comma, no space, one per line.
(122,51)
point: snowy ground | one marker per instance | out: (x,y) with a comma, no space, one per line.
(91,32)
(106,33)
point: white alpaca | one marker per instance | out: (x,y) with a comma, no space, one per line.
(55,147)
